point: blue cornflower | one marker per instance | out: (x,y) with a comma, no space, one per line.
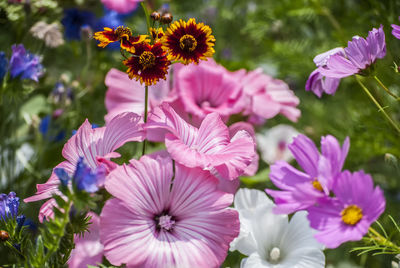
(74,19)
(9,205)
(24,64)
(84,178)
(3,65)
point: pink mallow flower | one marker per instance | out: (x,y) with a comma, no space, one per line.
(359,55)
(126,95)
(265,97)
(318,83)
(166,217)
(209,147)
(300,190)
(206,88)
(121,6)
(88,249)
(96,146)
(348,216)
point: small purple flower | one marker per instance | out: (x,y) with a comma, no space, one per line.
(84,178)
(300,190)
(359,55)
(9,205)
(396,30)
(24,64)
(87,179)
(348,216)
(318,83)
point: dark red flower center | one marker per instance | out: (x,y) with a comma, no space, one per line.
(122,31)
(188,43)
(147,59)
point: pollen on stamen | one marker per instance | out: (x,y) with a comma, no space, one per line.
(351,215)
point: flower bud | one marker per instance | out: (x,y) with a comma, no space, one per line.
(155,16)
(4,236)
(166,18)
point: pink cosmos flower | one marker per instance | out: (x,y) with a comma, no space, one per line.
(121,6)
(396,30)
(359,55)
(348,216)
(300,190)
(126,95)
(88,249)
(96,146)
(165,217)
(318,83)
(265,97)
(209,146)
(206,88)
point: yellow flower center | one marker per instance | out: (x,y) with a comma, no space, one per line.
(317,185)
(122,31)
(188,43)
(147,59)
(351,215)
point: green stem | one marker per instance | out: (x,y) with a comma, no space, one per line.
(146,13)
(380,108)
(146,101)
(382,240)
(14,249)
(386,89)
(65,220)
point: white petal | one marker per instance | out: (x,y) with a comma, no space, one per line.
(249,199)
(255,261)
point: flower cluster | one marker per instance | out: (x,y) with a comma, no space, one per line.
(357,58)
(9,205)
(151,56)
(341,205)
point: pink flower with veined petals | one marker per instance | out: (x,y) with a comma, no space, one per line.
(209,146)
(121,6)
(165,217)
(265,97)
(206,88)
(96,146)
(88,249)
(126,95)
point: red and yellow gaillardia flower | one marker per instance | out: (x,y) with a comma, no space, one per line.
(121,33)
(188,41)
(148,64)
(156,33)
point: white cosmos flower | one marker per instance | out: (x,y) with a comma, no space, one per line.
(270,240)
(273,142)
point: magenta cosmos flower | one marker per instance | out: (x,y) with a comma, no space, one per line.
(318,83)
(88,249)
(396,30)
(265,97)
(359,55)
(121,6)
(300,190)
(348,216)
(96,146)
(166,217)
(126,95)
(209,146)
(206,88)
